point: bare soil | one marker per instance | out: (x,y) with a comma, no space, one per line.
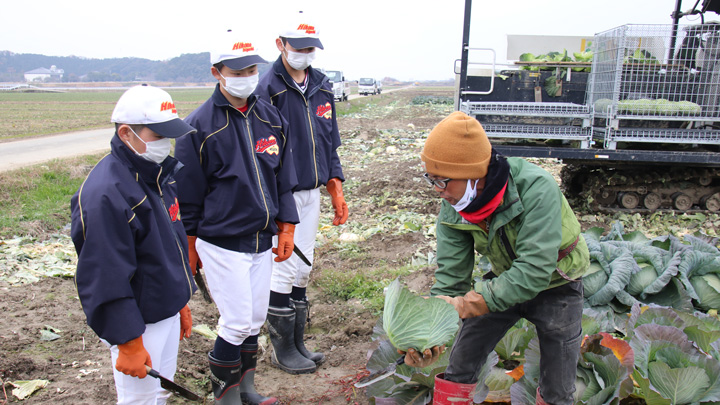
(78,365)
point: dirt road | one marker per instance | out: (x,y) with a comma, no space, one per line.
(26,152)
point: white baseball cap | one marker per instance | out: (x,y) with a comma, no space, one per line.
(152,107)
(301,32)
(235,52)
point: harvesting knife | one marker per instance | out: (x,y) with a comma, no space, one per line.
(172,386)
(379,375)
(202,286)
(301,255)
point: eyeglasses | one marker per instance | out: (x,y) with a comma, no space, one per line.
(439,183)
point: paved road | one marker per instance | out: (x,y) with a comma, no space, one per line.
(27,152)
(17,154)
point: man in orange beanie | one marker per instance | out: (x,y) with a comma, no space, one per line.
(513,213)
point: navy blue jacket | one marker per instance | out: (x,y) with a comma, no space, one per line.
(312,117)
(238,176)
(132,262)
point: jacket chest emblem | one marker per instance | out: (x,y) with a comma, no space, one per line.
(174,211)
(324,111)
(268,145)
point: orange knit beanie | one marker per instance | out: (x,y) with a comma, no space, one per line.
(457,148)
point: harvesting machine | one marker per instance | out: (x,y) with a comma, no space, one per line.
(637,125)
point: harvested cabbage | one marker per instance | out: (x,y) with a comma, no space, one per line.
(603,105)
(658,106)
(411,321)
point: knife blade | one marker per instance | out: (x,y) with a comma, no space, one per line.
(301,255)
(200,281)
(173,386)
(379,375)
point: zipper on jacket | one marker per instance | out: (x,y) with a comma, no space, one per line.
(257,174)
(312,139)
(172,228)
(506,243)
(310,127)
(182,254)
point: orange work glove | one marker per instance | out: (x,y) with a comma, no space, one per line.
(185,322)
(195,262)
(285,245)
(132,358)
(414,358)
(469,306)
(334,187)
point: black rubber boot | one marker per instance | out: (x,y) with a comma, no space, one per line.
(248,355)
(281,325)
(301,317)
(225,379)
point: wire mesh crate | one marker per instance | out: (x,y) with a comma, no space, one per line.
(634,75)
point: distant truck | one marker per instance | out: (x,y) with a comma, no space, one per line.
(341,87)
(369,86)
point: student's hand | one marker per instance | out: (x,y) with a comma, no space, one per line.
(285,245)
(414,358)
(185,322)
(469,306)
(193,257)
(132,358)
(334,188)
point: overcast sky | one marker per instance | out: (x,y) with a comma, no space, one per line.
(404,39)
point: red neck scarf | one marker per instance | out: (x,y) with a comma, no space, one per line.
(478,216)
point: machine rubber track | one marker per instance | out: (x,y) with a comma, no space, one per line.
(643,189)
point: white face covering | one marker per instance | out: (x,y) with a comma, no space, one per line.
(299,61)
(155,151)
(240,87)
(470,194)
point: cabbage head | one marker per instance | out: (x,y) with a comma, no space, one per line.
(688,108)
(603,105)
(583,56)
(412,321)
(707,288)
(641,279)
(594,279)
(665,107)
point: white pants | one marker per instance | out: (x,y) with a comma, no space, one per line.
(161,340)
(293,272)
(240,286)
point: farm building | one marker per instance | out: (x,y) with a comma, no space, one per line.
(43,74)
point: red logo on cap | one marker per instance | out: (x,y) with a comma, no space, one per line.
(268,145)
(174,210)
(309,29)
(324,111)
(245,46)
(168,105)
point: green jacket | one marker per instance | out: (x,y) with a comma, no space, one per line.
(538,222)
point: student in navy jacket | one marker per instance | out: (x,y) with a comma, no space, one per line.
(133,277)
(304,96)
(236,194)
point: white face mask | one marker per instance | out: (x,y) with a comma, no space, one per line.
(155,151)
(299,61)
(470,194)
(240,87)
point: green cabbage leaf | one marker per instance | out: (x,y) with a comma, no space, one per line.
(707,288)
(411,321)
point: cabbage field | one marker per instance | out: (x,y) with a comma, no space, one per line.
(650,326)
